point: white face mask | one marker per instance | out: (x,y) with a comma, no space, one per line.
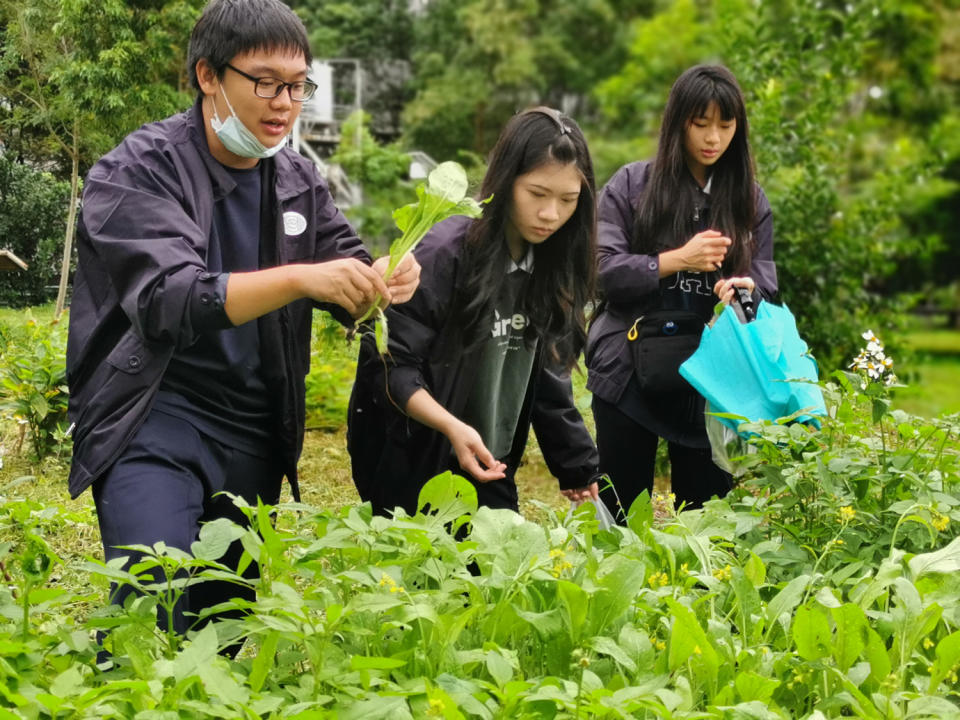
(237,138)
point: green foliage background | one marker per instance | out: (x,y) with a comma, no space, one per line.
(853,108)
(32,222)
(835,560)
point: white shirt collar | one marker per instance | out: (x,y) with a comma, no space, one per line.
(525,264)
(706,188)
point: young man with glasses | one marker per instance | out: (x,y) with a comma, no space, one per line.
(204,245)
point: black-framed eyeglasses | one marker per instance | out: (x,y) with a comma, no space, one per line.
(269,87)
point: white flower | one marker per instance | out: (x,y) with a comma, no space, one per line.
(873,362)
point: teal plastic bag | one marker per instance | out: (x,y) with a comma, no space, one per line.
(760,370)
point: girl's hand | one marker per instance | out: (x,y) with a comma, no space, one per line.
(590,492)
(705,251)
(404,280)
(473,455)
(724,288)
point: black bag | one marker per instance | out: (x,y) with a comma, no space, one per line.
(659,343)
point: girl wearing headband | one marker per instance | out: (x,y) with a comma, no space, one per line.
(483,350)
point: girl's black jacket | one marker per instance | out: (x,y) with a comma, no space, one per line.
(394,455)
(630,282)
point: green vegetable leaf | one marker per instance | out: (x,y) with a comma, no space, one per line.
(448,180)
(443,196)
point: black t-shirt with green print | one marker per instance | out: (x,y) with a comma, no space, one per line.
(494,405)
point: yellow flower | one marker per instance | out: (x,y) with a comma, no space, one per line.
(660,645)
(847,513)
(940,522)
(560,567)
(584,662)
(436,708)
(697,650)
(556,552)
(724,573)
(928,643)
(658,579)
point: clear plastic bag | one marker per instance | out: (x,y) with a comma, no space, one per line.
(604,518)
(728,448)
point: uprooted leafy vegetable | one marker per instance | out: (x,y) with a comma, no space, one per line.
(444,195)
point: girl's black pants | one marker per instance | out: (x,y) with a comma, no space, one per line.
(628,454)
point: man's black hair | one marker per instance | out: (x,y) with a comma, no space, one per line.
(227,28)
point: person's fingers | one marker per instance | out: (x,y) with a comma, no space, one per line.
(405,274)
(375,279)
(483,474)
(487,458)
(709,233)
(406,268)
(347,294)
(474,457)
(404,285)
(590,492)
(404,291)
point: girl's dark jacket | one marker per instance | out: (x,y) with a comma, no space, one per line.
(630,282)
(142,289)
(389,449)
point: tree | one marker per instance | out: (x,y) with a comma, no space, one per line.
(82,73)
(379,33)
(32,227)
(478,62)
(382,171)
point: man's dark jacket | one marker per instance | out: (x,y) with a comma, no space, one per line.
(392,454)
(142,290)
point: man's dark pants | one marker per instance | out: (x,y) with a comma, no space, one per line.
(164,487)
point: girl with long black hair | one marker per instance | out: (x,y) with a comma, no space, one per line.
(676,235)
(484,348)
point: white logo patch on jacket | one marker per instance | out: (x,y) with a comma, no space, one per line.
(294,223)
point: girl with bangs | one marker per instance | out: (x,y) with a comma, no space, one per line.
(484,348)
(676,235)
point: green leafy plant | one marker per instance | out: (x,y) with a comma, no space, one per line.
(442,196)
(333,365)
(824,586)
(33,383)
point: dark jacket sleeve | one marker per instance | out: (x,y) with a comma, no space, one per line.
(153,250)
(567,447)
(625,277)
(763,270)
